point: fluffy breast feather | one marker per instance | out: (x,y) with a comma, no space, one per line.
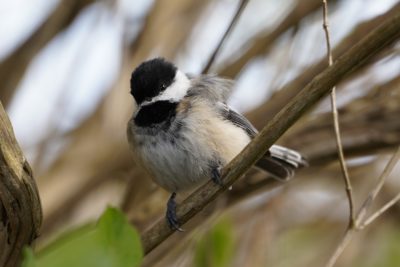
(180,157)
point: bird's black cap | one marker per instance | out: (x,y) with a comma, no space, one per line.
(150,78)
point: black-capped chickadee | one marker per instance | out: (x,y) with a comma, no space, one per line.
(182,131)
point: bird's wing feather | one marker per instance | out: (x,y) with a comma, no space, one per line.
(278,161)
(210,87)
(237,119)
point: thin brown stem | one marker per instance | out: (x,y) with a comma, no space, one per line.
(238,13)
(371,197)
(379,212)
(348,235)
(335,117)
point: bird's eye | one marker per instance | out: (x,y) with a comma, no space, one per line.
(163,86)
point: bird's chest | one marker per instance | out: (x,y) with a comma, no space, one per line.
(177,161)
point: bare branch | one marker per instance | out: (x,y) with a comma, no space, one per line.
(348,235)
(235,18)
(335,117)
(379,212)
(371,197)
(379,39)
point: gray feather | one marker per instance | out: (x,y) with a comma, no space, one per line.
(279,161)
(211,87)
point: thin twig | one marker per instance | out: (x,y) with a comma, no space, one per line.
(335,117)
(380,211)
(376,41)
(348,235)
(239,12)
(371,197)
(349,231)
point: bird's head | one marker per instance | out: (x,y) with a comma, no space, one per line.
(157,79)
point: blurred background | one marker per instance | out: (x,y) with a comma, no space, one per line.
(65,67)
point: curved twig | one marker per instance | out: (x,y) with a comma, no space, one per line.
(335,117)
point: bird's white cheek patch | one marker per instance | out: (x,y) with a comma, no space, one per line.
(177,90)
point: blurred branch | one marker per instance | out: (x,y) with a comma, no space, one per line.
(262,43)
(14,66)
(242,6)
(369,124)
(379,39)
(265,112)
(335,117)
(20,210)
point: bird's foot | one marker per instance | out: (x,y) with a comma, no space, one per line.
(216,176)
(171,217)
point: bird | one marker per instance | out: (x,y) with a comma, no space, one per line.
(183,132)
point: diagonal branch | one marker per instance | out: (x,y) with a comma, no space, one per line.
(379,212)
(242,6)
(374,193)
(377,40)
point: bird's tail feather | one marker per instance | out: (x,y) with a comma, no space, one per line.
(281,162)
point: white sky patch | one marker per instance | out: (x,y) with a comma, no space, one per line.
(18,18)
(252,82)
(69,76)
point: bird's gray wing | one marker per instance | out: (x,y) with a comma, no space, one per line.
(210,87)
(237,119)
(278,161)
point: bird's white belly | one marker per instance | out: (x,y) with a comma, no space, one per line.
(182,160)
(174,167)
(181,163)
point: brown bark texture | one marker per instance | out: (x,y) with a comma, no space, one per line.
(20,210)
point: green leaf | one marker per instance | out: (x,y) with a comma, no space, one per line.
(29,259)
(112,242)
(215,248)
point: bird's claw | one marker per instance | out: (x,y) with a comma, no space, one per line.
(171,217)
(216,176)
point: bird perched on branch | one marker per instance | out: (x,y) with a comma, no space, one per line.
(183,132)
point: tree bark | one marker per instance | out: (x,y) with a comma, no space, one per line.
(20,209)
